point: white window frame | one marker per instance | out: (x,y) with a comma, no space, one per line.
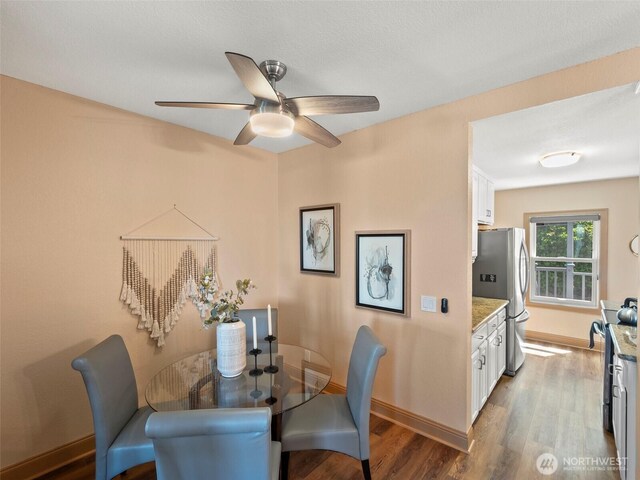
(595,260)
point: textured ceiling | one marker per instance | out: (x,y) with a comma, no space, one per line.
(603,126)
(411,55)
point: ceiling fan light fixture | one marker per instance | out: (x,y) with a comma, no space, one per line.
(272,123)
(559,159)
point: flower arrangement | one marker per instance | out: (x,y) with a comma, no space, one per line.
(226,306)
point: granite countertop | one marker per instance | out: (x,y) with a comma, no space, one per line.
(621,343)
(610,305)
(484,308)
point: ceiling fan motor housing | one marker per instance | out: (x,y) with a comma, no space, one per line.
(273,69)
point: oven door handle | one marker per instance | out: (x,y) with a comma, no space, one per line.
(595,328)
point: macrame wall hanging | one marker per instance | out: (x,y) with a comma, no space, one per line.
(159,274)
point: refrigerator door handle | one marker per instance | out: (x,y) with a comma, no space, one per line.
(524,253)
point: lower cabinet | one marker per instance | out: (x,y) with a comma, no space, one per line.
(502,349)
(492,360)
(624,414)
(488,360)
(484,373)
(476,368)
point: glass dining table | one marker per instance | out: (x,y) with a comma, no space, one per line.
(195,383)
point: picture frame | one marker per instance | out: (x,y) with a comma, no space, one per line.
(319,230)
(383,276)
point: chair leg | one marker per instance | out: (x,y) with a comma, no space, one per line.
(284,465)
(365,469)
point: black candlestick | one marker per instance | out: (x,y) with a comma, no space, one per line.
(255,394)
(255,372)
(271,399)
(271,368)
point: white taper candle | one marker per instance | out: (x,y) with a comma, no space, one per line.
(269,319)
(255,335)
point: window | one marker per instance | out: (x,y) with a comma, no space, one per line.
(566,260)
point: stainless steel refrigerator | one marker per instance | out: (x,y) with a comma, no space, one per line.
(501,270)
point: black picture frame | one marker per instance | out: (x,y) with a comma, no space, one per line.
(319,230)
(383,270)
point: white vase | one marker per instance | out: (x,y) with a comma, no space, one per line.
(231,343)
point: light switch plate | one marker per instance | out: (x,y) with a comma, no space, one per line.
(428,304)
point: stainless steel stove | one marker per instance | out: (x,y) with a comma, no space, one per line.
(609,316)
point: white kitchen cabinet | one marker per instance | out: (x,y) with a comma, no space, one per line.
(492,360)
(484,377)
(624,414)
(476,369)
(474,216)
(488,360)
(485,198)
(502,349)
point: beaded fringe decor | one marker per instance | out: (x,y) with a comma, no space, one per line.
(158,277)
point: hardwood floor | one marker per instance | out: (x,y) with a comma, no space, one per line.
(551,406)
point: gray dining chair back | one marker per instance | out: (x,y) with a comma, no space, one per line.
(261,326)
(117,421)
(223,443)
(338,422)
(363,364)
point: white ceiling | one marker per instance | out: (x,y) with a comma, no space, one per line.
(603,126)
(411,55)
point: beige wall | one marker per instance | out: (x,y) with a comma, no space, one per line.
(75,176)
(408,173)
(622,198)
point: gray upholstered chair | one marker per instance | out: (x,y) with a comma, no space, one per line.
(117,421)
(261,326)
(337,422)
(222,443)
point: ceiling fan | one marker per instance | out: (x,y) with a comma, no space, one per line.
(273,114)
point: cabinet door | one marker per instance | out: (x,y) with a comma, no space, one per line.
(492,361)
(474,216)
(489,202)
(483,185)
(476,367)
(484,378)
(502,349)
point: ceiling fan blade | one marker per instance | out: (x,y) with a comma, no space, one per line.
(225,106)
(252,77)
(332,104)
(310,129)
(245,136)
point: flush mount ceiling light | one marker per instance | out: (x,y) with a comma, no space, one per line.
(560,159)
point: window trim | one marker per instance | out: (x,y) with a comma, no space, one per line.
(601,290)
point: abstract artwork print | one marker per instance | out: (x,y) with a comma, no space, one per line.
(319,239)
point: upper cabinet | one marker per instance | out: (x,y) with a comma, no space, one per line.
(483,197)
(474,217)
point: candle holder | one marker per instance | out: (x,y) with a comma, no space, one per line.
(255,372)
(271,368)
(271,399)
(255,393)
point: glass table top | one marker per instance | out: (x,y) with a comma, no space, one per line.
(194,382)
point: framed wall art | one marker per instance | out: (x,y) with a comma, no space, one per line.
(383,270)
(320,239)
